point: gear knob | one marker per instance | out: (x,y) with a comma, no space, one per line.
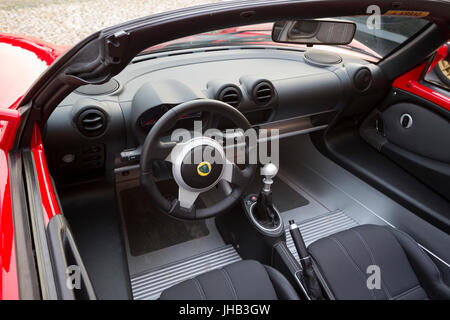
(269,171)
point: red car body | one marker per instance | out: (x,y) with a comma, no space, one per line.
(22,60)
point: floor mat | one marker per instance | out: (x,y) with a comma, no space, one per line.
(150,230)
(284,197)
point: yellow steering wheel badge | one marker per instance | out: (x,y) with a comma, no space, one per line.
(204,168)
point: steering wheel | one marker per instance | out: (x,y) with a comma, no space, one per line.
(194,177)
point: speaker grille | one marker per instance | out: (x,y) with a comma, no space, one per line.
(98,89)
(322,57)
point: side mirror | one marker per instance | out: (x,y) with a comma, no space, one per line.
(311,32)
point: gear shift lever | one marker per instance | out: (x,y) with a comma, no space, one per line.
(264,211)
(269,171)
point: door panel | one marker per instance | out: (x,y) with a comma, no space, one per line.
(433,173)
(419,149)
(412,128)
(417,129)
(418,140)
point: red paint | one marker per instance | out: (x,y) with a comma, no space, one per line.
(9,120)
(22,60)
(441,54)
(9,289)
(410,82)
(50,205)
(44,51)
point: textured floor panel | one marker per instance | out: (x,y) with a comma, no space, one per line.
(319,227)
(149,285)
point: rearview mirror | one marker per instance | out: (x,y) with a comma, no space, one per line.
(311,32)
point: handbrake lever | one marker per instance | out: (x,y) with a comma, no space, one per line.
(311,282)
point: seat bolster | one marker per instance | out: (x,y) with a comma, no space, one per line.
(282,286)
(347,260)
(338,272)
(250,280)
(427,272)
(189,288)
(243,280)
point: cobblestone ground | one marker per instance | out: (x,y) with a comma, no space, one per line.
(65,22)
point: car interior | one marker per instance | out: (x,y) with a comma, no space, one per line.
(361,180)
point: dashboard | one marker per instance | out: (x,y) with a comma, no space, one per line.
(97,129)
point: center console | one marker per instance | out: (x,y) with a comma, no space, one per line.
(260,208)
(256,229)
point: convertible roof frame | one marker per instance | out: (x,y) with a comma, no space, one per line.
(105,53)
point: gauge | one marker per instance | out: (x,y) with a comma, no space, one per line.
(152,115)
(149,117)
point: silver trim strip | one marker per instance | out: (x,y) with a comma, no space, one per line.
(126,168)
(294,133)
(301,285)
(150,284)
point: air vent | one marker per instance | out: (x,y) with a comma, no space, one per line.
(362,79)
(263,93)
(91,122)
(231,95)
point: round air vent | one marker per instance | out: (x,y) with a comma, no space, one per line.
(91,122)
(362,79)
(263,92)
(231,95)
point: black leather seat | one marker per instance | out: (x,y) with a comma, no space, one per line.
(406,271)
(244,280)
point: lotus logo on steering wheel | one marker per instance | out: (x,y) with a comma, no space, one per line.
(204,168)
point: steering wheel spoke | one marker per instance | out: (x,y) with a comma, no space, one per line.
(233,174)
(163,150)
(187,197)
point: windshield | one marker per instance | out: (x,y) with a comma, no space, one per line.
(371,44)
